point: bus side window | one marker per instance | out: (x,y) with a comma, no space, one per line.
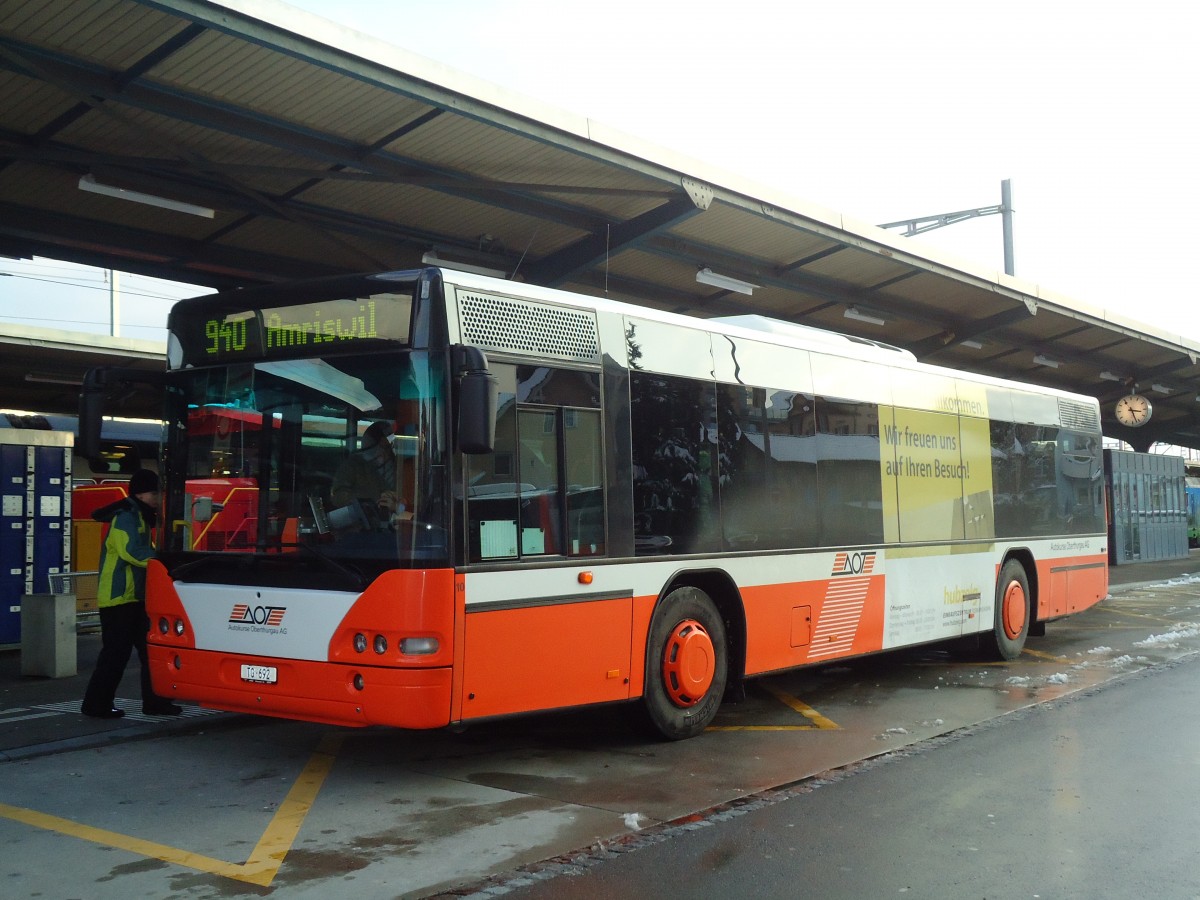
(493,500)
(674,448)
(541,492)
(583,451)
(538,455)
(851,497)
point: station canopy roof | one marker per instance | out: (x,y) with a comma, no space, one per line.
(290,147)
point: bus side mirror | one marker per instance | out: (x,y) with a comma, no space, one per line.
(91,412)
(477,413)
(202,509)
(93,395)
(477,390)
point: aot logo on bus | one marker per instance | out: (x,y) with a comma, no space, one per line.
(857,563)
(244,614)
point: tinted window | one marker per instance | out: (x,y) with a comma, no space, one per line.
(768,469)
(848,476)
(1046,480)
(541,492)
(674,463)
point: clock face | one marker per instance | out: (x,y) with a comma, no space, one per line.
(1133,410)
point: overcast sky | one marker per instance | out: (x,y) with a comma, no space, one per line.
(880,110)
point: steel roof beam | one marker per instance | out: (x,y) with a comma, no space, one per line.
(80,78)
(154,250)
(786,277)
(591,251)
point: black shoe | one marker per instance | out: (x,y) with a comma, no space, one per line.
(165,708)
(111,713)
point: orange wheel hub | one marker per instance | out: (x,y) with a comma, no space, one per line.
(689,663)
(1013,610)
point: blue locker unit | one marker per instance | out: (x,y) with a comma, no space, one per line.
(35,518)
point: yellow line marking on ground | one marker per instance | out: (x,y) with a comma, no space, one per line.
(267,856)
(803,708)
(817,720)
(763,728)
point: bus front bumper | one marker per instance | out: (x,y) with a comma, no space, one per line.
(331,693)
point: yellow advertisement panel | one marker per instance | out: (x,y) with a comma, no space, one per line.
(976,446)
(887,474)
(928,471)
(936,469)
(979,519)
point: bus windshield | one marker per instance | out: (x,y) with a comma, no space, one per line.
(339,460)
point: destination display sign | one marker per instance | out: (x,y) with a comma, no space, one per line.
(203,336)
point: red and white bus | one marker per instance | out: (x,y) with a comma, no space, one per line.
(592,502)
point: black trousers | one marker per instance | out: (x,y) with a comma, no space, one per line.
(122,630)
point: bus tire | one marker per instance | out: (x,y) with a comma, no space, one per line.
(687,664)
(1010,626)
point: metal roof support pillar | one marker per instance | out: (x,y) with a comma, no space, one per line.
(1006,217)
(114,304)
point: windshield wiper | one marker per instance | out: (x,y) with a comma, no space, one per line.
(248,561)
(329,562)
(179,571)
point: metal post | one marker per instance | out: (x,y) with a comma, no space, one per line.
(114,304)
(1006,217)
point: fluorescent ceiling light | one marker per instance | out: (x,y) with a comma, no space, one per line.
(1040,360)
(708,276)
(974,345)
(853,313)
(1162,389)
(432,259)
(1109,376)
(90,184)
(37,378)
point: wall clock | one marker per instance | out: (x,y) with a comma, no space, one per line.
(1133,410)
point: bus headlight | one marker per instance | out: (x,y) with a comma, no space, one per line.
(419,646)
(163,625)
(179,627)
(380,644)
(360,643)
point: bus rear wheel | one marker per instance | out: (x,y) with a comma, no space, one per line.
(1012,614)
(686,664)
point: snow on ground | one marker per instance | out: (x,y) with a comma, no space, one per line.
(1170,638)
(1127,660)
(1027,681)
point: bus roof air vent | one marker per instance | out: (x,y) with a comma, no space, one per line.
(1078,416)
(526,328)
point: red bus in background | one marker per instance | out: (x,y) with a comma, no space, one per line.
(221,510)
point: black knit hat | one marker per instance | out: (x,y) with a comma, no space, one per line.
(143,482)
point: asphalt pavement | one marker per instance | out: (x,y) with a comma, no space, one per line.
(40,716)
(1088,796)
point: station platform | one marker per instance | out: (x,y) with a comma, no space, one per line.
(40,716)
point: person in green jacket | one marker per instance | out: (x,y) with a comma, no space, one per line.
(121,598)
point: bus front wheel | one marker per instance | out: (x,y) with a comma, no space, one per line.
(1011,621)
(686,664)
